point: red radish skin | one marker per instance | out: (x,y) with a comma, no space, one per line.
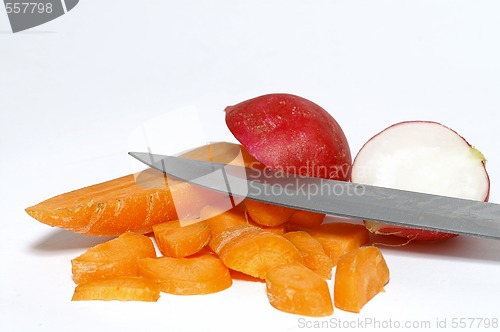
(408,233)
(292,134)
(397,158)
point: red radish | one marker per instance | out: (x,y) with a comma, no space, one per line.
(425,157)
(292,134)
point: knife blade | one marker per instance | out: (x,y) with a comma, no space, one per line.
(338,198)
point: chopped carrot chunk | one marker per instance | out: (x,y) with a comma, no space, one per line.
(267,214)
(114,258)
(338,238)
(360,275)
(312,252)
(295,289)
(305,219)
(120,288)
(199,274)
(219,218)
(174,239)
(252,250)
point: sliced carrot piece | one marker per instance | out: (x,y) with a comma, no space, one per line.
(306,219)
(120,288)
(252,250)
(225,153)
(295,289)
(199,274)
(360,275)
(267,214)
(114,258)
(177,240)
(312,252)
(338,238)
(134,202)
(219,218)
(237,275)
(279,229)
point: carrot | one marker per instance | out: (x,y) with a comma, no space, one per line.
(111,207)
(225,153)
(120,288)
(338,238)
(199,274)
(306,219)
(360,275)
(279,229)
(135,202)
(295,289)
(252,250)
(177,240)
(312,252)
(114,258)
(220,218)
(267,214)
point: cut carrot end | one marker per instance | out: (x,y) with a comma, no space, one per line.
(135,202)
(110,208)
(360,275)
(295,289)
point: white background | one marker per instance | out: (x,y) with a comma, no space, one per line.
(74,90)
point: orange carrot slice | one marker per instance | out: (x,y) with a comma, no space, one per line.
(360,275)
(252,250)
(312,252)
(267,214)
(177,240)
(306,219)
(120,288)
(295,289)
(199,274)
(225,153)
(219,218)
(338,238)
(278,230)
(114,258)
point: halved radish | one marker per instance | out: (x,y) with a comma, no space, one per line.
(425,157)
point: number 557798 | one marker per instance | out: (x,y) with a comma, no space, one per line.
(28,7)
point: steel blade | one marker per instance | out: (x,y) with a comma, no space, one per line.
(344,199)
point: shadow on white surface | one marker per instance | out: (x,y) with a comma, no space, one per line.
(60,240)
(460,247)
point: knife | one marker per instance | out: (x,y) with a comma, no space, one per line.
(338,198)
